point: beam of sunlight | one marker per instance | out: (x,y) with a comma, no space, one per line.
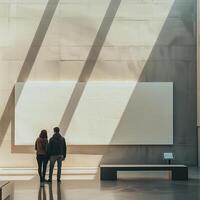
(135,42)
(41,105)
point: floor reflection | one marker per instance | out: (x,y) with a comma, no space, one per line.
(46,192)
(42,193)
(140,186)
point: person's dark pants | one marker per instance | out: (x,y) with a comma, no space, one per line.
(42,161)
(53,159)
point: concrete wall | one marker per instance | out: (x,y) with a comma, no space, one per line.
(151,40)
(198,78)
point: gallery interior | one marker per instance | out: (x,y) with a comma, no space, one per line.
(121,80)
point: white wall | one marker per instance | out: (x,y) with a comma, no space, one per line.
(149,121)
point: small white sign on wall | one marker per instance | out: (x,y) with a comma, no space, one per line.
(168,156)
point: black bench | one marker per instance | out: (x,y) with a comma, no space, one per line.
(109,172)
(6,190)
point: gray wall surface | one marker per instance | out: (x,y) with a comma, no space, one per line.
(173,58)
(198,78)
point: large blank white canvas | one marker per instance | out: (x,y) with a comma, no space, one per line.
(107,113)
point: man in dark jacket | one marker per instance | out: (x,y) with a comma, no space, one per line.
(57,152)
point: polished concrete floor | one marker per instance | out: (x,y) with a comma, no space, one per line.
(136,186)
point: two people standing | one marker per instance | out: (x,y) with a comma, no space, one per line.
(55,151)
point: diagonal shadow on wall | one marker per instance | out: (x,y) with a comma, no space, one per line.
(8,113)
(89,64)
(83,77)
(172,59)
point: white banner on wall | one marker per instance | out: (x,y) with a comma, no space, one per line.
(118,113)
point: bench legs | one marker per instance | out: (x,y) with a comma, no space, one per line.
(108,174)
(180,174)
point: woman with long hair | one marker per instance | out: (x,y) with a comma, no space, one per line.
(41,154)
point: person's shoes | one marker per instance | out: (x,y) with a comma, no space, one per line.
(58,181)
